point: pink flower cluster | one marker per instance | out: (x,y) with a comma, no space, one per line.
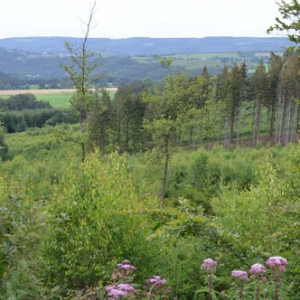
(122,290)
(257,269)
(240,275)
(156,280)
(277,263)
(125,265)
(209,265)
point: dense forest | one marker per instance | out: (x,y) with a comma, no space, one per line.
(182,188)
(230,108)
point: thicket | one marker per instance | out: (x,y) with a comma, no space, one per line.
(21,102)
(238,206)
(24,111)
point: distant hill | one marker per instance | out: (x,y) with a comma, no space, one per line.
(149,46)
(37,60)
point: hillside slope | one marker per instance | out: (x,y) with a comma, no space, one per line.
(149,46)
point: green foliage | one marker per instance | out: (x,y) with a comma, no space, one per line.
(290,14)
(3,146)
(104,211)
(23,101)
(17,121)
(39,157)
(256,214)
(189,238)
(97,220)
(22,225)
(99,122)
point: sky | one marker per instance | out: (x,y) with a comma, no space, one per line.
(119,19)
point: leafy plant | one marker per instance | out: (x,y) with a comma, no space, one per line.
(96,220)
(22,223)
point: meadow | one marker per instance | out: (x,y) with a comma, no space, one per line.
(213,61)
(58,98)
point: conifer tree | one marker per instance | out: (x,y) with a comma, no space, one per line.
(166,107)
(274,79)
(260,88)
(99,121)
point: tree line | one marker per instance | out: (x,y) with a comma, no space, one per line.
(230,108)
(22,111)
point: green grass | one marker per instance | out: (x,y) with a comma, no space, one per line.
(205,55)
(196,61)
(61,99)
(57,100)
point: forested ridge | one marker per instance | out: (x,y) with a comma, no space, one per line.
(149,46)
(36,61)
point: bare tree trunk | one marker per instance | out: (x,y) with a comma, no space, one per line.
(226,135)
(277,120)
(164,181)
(239,126)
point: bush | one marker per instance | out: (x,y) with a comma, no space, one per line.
(96,220)
(22,224)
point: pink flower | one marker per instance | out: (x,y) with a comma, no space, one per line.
(209,265)
(257,269)
(277,262)
(122,290)
(125,265)
(156,280)
(126,287)
(242,275)
(126,262)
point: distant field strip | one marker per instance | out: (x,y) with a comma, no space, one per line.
(38,92)
(58,98)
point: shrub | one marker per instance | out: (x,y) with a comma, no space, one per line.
(22,225)
(97,219)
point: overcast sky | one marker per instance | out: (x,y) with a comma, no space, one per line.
(138,18)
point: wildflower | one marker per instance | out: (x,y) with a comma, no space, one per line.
(257,269)
(126,287)
(157,281)
(125,265)
(242,275)
(278,266)
(277,263)
(209,265)
(121,290)
(155,286)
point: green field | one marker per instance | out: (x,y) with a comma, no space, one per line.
(213,61)
(57,98)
